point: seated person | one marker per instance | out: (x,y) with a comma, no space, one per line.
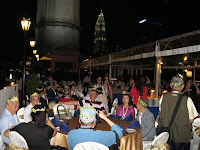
(126,108)
(34,100)
(88,100)
(67,98)
(87,133)
(37,132)
(52,93)
(9,118)
(41,91)
(103,99)
(146,120)
(74,92)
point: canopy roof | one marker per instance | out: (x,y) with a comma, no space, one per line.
(144,55)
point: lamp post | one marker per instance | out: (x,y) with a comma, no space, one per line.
(25,23)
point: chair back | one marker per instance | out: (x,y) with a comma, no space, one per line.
(2,146)
(136,111)
(160,142)
(20,114)
(18,141)
(196,131)
(90,146)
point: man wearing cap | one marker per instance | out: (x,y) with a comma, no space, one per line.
(9,118)
(27,111)
(180,131)
(87,133)
(146,120)
(89,100)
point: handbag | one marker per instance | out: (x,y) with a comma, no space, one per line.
(167,129)
(116,145)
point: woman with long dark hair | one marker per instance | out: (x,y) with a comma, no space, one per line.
(107,91)
(139,90)
(37,132)
(126,108)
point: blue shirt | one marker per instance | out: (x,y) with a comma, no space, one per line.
(7,120)
(85,134)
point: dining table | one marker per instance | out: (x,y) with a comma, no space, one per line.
(129,141)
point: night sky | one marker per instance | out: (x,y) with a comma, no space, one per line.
(121,17)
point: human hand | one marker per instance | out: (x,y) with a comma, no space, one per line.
(101,114)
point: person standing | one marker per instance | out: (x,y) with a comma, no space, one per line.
(139,90)
(180,131)
(98,84)
(191,90)
(107,92)
(86,83)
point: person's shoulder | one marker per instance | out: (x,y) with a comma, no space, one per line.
(148,112)
(28,106)
(73,132)
(5,116)
(120,106)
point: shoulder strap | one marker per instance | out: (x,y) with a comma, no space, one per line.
(175,110)
(117,139)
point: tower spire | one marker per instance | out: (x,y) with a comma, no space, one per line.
(100,35)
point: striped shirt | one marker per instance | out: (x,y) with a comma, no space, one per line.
(97,104)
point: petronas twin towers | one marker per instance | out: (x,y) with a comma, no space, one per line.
(100,35)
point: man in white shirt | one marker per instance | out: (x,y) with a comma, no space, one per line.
(9,118)
(35,99)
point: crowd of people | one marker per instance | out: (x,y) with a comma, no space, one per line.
(97,98)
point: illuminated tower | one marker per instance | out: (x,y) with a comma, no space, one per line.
(100,35)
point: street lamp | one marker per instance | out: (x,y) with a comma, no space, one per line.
(37,57)
(34,52)
(25,23)
(32,43)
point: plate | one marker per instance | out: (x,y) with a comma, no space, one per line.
(50,118)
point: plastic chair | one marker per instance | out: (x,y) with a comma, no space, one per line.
(161,139)
(17,140)
(20,114)
(2,146)
(194,143)
(90,146)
